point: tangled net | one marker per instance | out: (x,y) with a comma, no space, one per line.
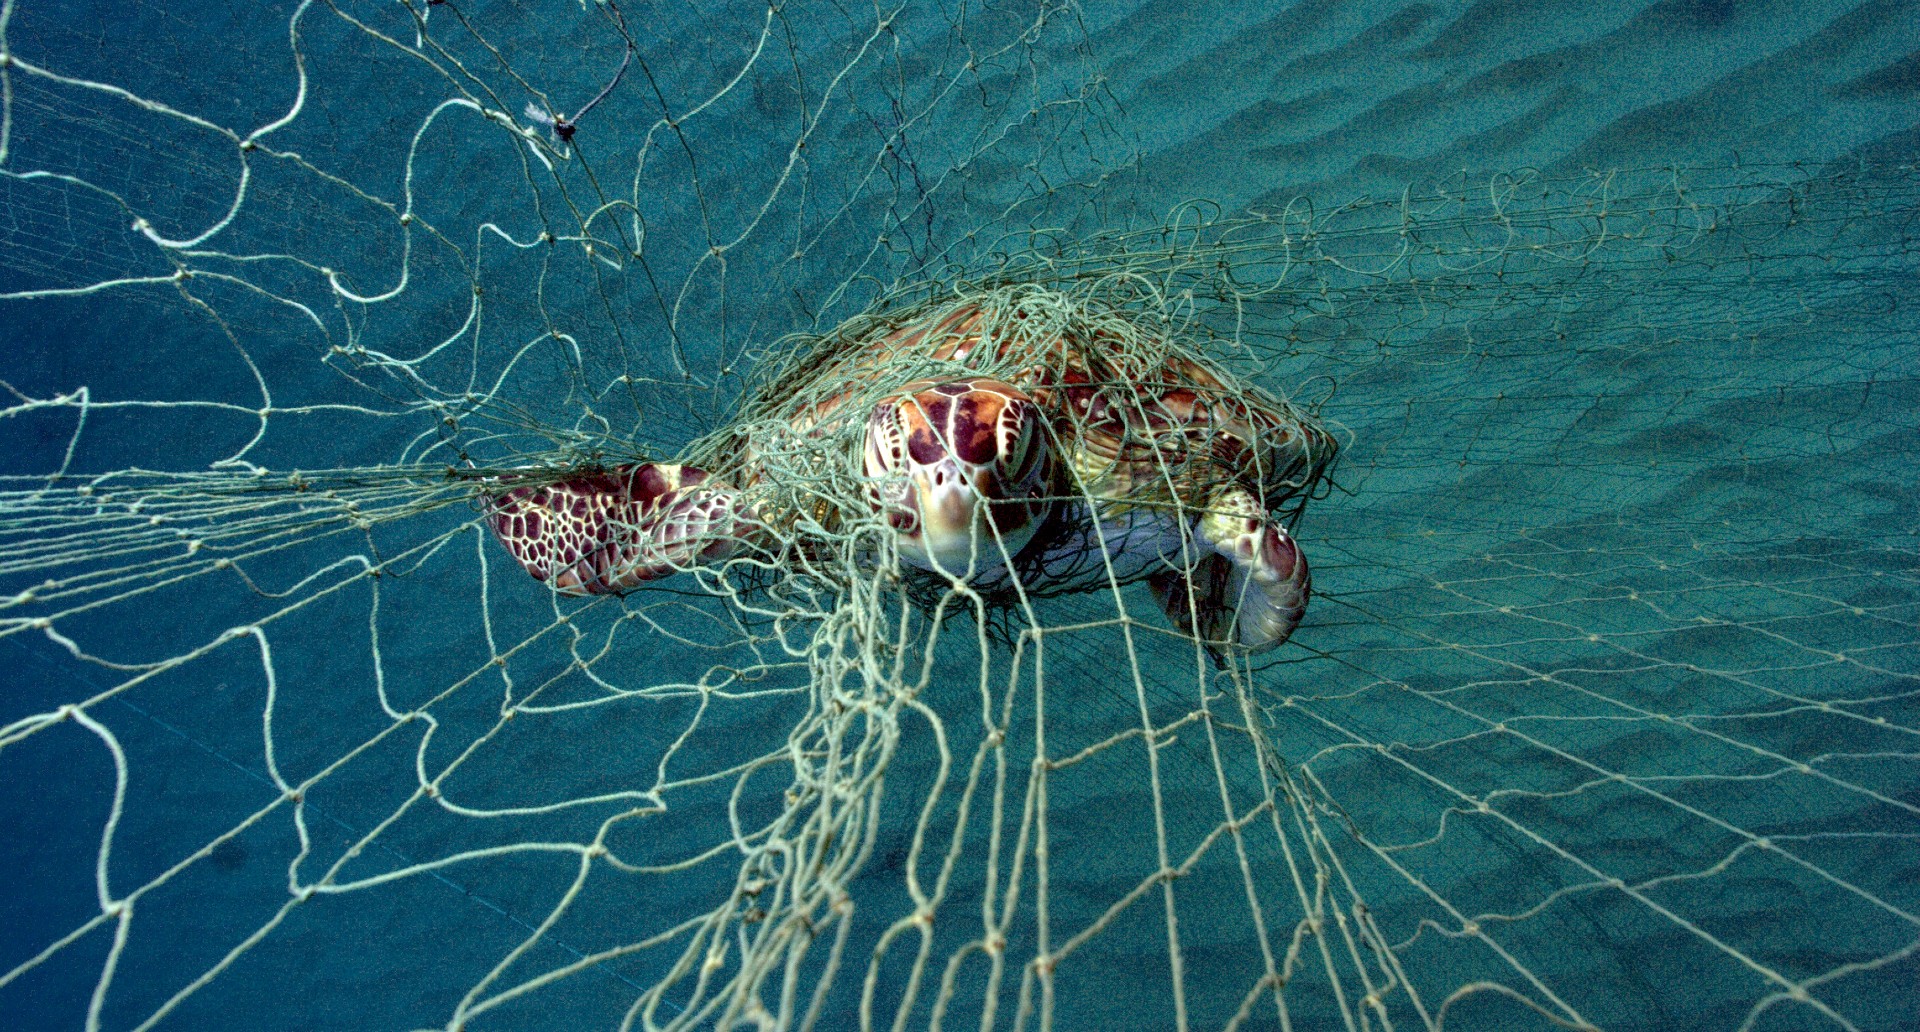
(1603,715)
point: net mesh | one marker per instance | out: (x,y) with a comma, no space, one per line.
(1602,715)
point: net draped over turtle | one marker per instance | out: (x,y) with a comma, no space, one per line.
(1018,438)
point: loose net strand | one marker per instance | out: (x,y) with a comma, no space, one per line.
(1605,698)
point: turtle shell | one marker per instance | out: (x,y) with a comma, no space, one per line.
(1177,432)
(1139,418)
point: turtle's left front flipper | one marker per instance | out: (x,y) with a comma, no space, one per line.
(598,533)
(1251,585)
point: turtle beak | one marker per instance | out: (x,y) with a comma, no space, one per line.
(951,504)
(969,472)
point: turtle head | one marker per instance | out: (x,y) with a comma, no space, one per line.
(965,471)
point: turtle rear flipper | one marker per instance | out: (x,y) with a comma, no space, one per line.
(607,532)
(1250,588)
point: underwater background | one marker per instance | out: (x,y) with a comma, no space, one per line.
(1616,643)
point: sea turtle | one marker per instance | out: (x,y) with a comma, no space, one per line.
(1016,434)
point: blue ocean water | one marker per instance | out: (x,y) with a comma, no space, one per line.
(1615,650)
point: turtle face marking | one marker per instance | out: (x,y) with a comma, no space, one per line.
(964,469)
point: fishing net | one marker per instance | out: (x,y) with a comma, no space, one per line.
(1602,714)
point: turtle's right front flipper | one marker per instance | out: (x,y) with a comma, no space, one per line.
(1249,588)
(604,533)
